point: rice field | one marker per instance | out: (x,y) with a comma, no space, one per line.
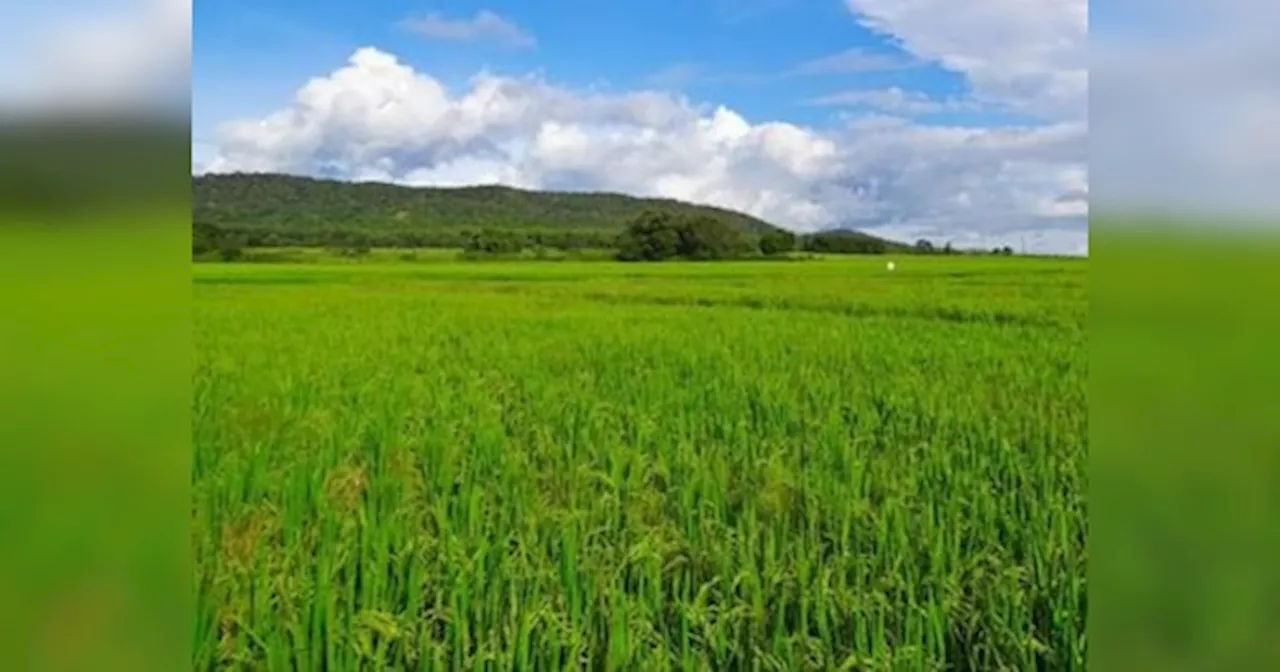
(532,465)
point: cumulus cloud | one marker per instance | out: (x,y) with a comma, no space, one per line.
(485,25)
(376,118)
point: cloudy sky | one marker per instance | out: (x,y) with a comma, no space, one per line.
(961,122)
(955,121)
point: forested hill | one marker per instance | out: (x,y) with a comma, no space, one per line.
(284,209)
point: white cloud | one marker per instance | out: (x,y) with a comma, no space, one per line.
(377,118)
(847,62)
(1030,55)
(897,100)
(851,61)
(485,25)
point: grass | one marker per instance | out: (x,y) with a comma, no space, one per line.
(522,465)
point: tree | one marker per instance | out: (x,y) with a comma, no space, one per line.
(705,237)
(231,247)
(652,236)
(656,235)
(777,242)
(490,241)
(209,239)
(204,238)
(923,246)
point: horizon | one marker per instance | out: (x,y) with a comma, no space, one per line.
(463,187)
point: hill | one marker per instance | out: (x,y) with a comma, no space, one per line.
(273,209)
(850,241)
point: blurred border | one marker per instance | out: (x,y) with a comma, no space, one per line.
(94,340)
(1184,427)
(1184,336)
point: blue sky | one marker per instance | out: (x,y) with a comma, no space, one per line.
(763,58)
(956,121)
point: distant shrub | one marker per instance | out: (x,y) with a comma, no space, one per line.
(231,247)
(657,235)
(843,242)
(494,242)
(777,242)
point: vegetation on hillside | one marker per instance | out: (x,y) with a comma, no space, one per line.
(269,210)
(283,210)
(845,241)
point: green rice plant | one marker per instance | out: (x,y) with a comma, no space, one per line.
(596,466)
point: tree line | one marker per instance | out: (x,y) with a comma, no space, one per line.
(652,235)
(657,236)
(210,239)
